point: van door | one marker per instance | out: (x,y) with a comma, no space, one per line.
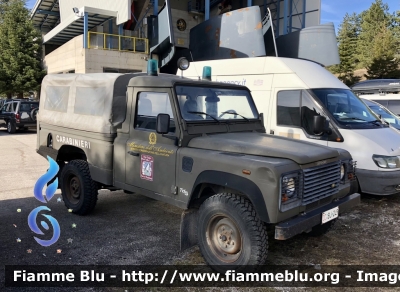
(151,157)
(293,114)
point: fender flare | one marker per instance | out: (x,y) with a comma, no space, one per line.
(241,184)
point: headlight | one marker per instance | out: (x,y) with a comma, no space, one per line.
(291,194)
(288,186)
(386,161)
(342,171)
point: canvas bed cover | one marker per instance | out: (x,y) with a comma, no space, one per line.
(89,102)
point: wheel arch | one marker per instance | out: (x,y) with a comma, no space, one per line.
(68,153)
(210,182)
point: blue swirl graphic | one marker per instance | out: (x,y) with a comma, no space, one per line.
(44,179)
(33,226)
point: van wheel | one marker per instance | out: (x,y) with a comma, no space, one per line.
(11,128)
(320,230)
(78,190)
(230,234)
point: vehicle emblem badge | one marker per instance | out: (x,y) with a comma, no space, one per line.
(333,185)
(152,139)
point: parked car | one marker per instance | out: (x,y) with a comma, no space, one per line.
(383,113)
(383,91)
(18,114)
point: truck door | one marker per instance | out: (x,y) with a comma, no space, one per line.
(293,115)
(151,157)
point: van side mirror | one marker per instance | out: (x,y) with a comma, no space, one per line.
(162,125)
(319,125)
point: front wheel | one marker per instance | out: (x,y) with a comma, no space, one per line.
(78,190)
(230,234)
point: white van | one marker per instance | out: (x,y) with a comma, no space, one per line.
(290,92)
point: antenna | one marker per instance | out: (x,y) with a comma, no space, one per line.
(197,73)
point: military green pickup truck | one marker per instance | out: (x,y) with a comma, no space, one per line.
(197,145)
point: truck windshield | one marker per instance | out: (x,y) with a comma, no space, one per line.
(346,108)
(215,104)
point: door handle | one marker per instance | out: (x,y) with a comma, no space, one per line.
(133,153)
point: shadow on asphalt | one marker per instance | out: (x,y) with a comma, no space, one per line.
(3,132)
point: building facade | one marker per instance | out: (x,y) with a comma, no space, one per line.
(89,36)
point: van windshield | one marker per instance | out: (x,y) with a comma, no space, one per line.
(347,109)
(215,104)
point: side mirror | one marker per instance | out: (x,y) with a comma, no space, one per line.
(162,125)
(319,125)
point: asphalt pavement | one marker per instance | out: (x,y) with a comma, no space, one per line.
(131,229)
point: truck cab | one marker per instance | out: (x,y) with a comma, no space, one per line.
(195,144)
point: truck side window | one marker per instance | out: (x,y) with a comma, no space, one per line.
(288,113)
(296,109)
(308,111)
(149,105)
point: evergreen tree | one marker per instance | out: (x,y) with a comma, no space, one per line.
(347,39)
(384,63)
(396,31)
(20,50)
(372,21)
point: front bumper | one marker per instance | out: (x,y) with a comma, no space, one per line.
(302,223)
(378,182)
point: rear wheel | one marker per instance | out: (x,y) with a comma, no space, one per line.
(79,191)
(230,234)
(11,128)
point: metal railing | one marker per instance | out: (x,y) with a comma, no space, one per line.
(113,42)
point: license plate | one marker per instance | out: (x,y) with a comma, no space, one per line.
(330,215)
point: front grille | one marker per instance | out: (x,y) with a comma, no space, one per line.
(320,182)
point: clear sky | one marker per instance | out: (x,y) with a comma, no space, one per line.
(334,10)
(331,10)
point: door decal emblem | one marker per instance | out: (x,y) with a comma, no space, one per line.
(147,167)
(152,139)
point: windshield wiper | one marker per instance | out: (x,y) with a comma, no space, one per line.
(353,119)
(203,113)
(236,114)
(375,122)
